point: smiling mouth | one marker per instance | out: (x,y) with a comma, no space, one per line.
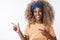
(37,16)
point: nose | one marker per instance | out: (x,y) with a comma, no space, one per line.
(37,13)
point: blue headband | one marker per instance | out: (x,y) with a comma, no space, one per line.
(37,4)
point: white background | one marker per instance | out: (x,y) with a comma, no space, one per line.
(13,11)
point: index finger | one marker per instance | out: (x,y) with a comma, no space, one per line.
(13,23)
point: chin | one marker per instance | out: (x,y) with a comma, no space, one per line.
(37,18)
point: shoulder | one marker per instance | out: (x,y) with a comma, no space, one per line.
(49,26)
(26,29)
(51,30)
(27,26)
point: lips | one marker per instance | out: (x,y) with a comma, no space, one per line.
(37,16)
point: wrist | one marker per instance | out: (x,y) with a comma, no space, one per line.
(19,32)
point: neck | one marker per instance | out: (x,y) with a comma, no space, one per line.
(39,22)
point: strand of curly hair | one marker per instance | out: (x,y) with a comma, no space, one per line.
(48,13)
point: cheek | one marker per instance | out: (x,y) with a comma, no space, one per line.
(34,14)
(40,13)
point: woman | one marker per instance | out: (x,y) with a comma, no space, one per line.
(40,17)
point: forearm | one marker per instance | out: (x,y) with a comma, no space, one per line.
(52,38)
(21,36)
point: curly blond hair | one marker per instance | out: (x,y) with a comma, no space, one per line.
(48,13)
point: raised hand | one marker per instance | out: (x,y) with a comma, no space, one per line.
(16,27)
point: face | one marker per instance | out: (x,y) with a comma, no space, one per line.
(37,13)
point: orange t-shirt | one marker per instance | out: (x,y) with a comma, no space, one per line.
(34,33)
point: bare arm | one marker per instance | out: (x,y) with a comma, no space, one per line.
(16,28)
(21,36)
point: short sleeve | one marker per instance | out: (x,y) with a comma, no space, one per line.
(51,31)
(26,30)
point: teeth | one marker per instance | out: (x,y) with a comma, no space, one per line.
(37,16)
